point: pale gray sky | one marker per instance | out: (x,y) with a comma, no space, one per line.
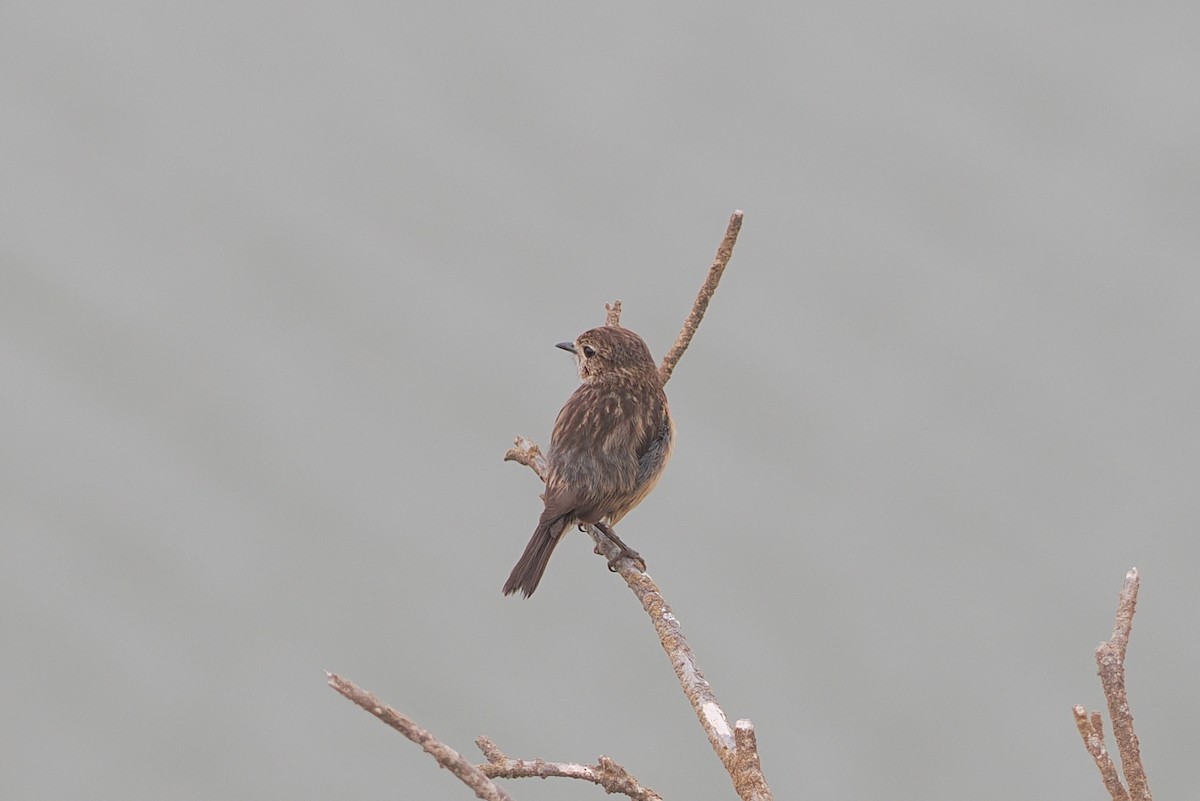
(280,282)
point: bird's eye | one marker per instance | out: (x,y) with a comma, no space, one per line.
(589,351)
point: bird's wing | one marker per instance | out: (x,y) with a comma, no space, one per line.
(657,441)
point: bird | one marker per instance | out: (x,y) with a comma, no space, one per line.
(610,443)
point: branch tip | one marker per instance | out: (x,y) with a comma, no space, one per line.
(715,270)
(612,313)
(1110,659)
(445,756)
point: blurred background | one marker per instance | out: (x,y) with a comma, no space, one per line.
(280,282)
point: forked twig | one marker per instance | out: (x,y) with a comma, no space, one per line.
(1092,730)
(446,756)
(612,315)
(1110,657)
(606,773)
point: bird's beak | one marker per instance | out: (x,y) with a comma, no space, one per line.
(566,346)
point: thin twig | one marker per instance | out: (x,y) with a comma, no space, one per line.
(724,252)
(612,314)
(606,773)
(738,751)
(525,451)
(695,686)
(748,777)
(1091,729)
(446,756)
(1110,658)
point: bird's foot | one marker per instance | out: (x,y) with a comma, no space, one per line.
(626,551)
(630,554)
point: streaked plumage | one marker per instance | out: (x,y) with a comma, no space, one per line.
(608,448)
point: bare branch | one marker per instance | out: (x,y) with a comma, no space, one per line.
(724,253)
(606,773)
(1110,657)
(612,314)
(446,756)
(748,777)
(1126,606)
(1092,731)
(742,765)
(525,451)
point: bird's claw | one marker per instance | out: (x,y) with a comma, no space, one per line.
(631,554)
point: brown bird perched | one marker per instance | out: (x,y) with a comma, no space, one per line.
(608,449)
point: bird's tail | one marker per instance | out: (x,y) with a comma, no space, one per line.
(532,564)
